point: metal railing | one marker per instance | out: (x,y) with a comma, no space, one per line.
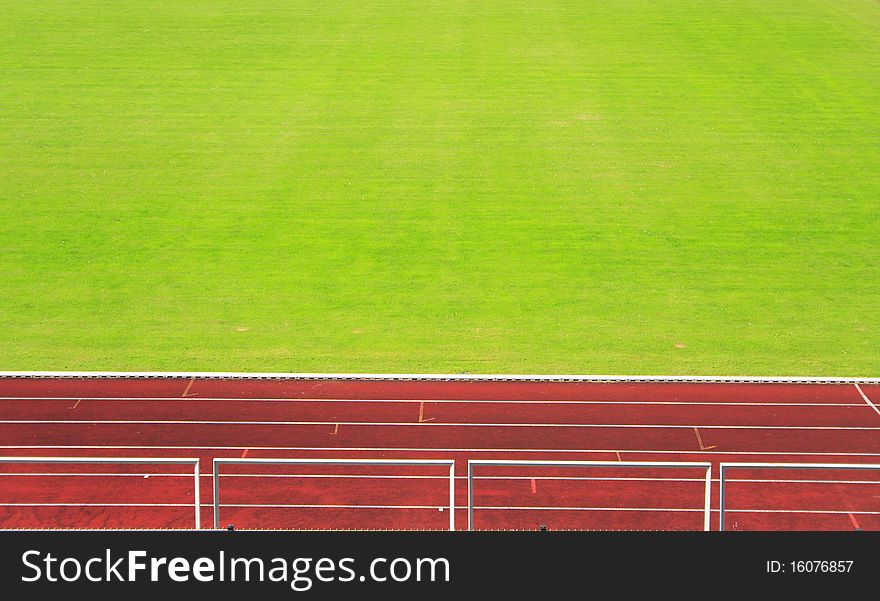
(375,462)
(591,464)
(724,467)
(125,461)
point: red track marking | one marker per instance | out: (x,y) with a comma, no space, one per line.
(469,420)
(854,521)
(422,413)
(76,404)
(700,441)
(188,386)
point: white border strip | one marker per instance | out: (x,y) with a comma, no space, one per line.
(437,377)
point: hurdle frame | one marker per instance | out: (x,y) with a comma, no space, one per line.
(707,506)
(218,461)
(796,466)
(194,461)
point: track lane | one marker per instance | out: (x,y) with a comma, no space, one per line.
(444,437)
(432,413)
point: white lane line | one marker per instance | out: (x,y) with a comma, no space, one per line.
(434,508)
(812,511)
(854,521)
(867,400)
(188,386)
(700,441)
(334,506)
(443,478)
(661,509)
(104,474)
(190,505)
(421,424)
(434,450)
(193,400)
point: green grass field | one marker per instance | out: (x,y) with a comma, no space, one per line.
(521,186)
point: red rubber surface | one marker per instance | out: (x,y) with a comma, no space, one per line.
(460,420)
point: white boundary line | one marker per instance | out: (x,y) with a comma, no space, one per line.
(457,507)
(91,422)
(190,400)
(865,397)
(438,377)
(187,505)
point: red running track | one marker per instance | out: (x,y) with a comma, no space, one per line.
(436,419)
